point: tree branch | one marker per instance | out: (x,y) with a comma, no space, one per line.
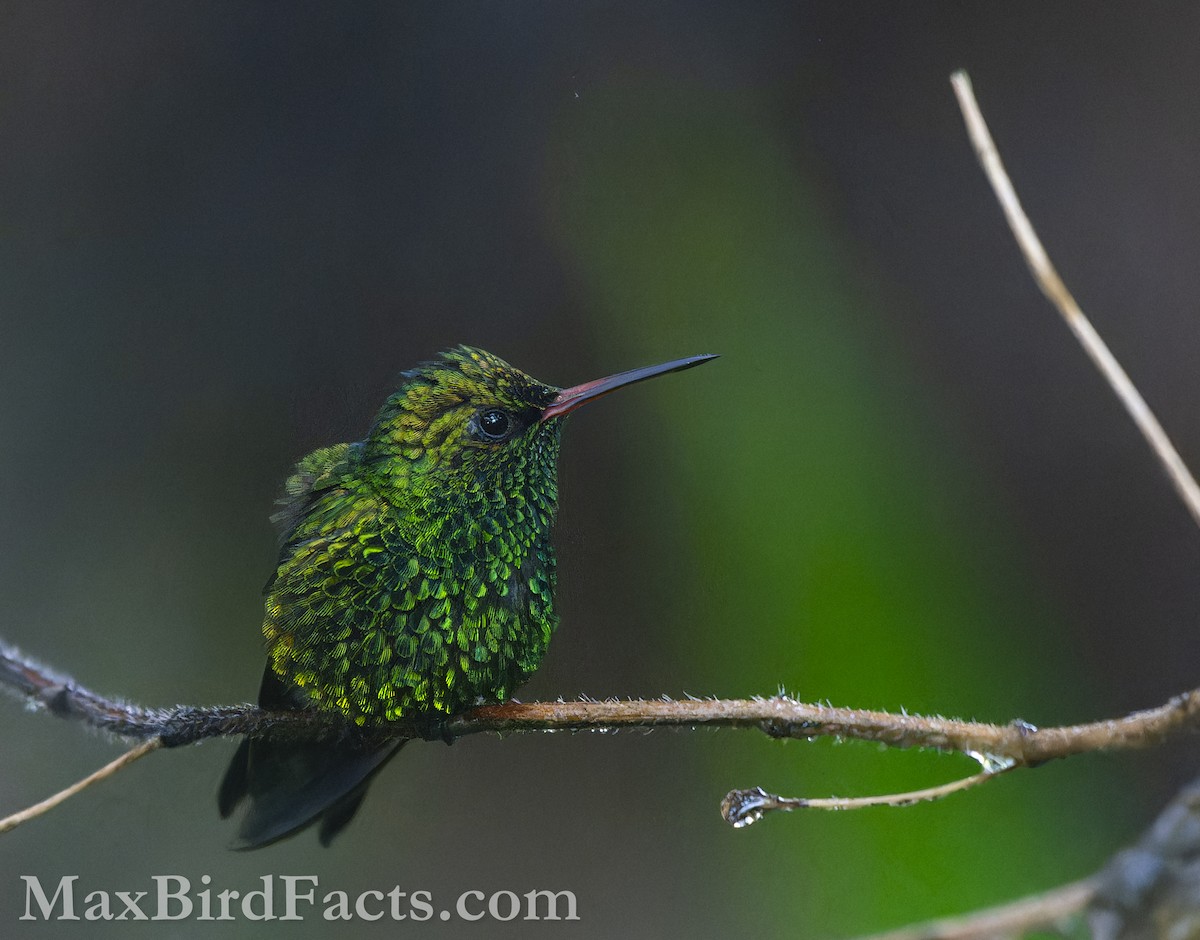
(997,748)
(1146,890)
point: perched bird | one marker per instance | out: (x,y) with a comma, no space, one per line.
(415,578)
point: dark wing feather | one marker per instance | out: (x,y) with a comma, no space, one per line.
(291,785)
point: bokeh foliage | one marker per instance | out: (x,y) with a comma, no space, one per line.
(840,543)
(225,228)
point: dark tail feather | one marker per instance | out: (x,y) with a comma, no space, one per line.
(235,784)
(339,814)
(291,785)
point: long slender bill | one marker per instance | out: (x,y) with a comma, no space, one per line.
(571,398)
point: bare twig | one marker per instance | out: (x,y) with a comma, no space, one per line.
(1113,893)
(37,809)
(1056,291)
(741,808)
(1006,920)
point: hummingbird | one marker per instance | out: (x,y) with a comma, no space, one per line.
(415,579)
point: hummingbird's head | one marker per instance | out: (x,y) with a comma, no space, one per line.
(466,415)
(469,424)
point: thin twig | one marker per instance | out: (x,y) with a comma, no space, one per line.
(1052,286)
(1019,917)
(1014,919)
(37,809)
(741,808)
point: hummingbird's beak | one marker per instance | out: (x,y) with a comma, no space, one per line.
(571,398)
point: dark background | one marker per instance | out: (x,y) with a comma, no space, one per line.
(226,227)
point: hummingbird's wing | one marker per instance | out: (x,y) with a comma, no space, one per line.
(315,473)
(290,785)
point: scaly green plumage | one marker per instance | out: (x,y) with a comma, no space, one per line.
(415,579)
(418,573)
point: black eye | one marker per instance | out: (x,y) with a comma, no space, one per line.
(495,424)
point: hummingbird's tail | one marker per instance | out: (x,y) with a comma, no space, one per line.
(291,785)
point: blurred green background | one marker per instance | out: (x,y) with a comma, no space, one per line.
(225,228)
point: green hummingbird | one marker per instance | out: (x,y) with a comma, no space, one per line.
(415,580)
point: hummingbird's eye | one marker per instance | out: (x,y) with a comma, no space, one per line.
(495,424)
